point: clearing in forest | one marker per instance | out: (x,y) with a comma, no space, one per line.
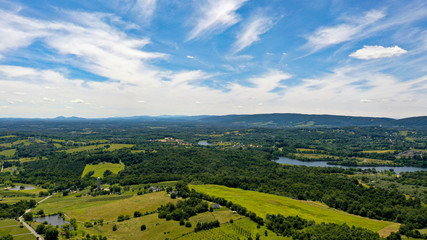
(100,168)
(8,152)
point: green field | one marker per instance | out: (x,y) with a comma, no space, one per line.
(8,152)
(315,155)
(262,204)
(159,228)
(25,142)
(100,168)
(379,151)
(13,228)
(112,147)
(107,207)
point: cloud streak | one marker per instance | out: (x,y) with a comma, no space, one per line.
(325,37)
(214,16)
(251,32)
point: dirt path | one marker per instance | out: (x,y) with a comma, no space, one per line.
(21,219)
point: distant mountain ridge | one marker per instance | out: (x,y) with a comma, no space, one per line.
(275,120)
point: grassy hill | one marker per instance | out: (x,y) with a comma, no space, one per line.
(263,204)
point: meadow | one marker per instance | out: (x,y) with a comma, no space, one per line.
(8,152)
(105,147)
(107,207)
(13,228)
(160,229)
(263,204)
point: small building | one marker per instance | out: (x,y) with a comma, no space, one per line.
(216,206)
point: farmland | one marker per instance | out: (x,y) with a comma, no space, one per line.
(263,204)
(86,208)
(105,147)
(13,228)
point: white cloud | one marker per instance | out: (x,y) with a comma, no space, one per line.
(190,57)
(77,100)
(375,52)
(87,42)
(145,9)
(251,32)
(215,16)
(324,37)
(358,90)
(48,99)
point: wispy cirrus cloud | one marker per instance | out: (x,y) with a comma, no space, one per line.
(144,9)
(86,41)
(375,52)
(325,37)
(215,16)
(251,31)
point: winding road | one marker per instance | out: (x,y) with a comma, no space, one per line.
(21,219)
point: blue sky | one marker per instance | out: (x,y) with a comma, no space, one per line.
(156,57)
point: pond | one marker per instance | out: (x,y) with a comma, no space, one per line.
(18,187)
(54,220)
(397,170)
(204,143)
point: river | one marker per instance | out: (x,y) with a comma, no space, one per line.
(397,170)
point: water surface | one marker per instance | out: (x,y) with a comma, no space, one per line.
(397,170)
(54,220)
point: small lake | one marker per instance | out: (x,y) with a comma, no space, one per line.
(54,220)
(397,170)
(204,143)
(18,187)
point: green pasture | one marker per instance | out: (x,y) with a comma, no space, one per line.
(100,168)
(25,142)
(315,155)
(7,145)
(8,152)
(379,151)
(8,136)
(113,147)
(262,204)
(107,207)
(13,228)
(158,229)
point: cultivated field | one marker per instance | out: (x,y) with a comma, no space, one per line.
(239,229)
(262,204)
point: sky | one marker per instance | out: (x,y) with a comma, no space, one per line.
(118,58)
